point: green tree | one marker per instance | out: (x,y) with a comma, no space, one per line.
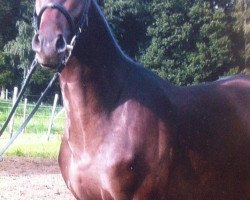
(9,75)
(212,54)
(241,25)
(5,73)
(129,20)
(8,16)
(170,33)
(189,42)
(19,49)
(9,13)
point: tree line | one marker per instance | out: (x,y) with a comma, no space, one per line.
(184,41)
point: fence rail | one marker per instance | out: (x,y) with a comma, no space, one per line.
(49,119)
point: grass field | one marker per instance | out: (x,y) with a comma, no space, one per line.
(40,121)
(33,143)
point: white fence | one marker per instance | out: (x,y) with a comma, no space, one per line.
(48,119)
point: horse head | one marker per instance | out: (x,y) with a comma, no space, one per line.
(57,24)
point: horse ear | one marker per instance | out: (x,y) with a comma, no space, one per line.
(83,22)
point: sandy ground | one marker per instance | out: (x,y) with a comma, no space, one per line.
(31,179)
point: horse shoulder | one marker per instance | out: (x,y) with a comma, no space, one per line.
(139,151)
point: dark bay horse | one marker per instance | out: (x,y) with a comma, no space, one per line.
(128,133)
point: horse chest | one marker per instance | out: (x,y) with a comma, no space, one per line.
(119,164)
(103,175)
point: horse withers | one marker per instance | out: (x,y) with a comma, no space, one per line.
(131,135)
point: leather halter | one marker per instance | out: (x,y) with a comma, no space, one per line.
(74,28)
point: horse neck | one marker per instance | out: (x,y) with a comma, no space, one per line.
(97,46)
(98,53)
(94,76)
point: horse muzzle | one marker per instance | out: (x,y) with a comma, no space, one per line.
(50,51)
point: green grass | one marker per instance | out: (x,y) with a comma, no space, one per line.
(32,145)
(39,122)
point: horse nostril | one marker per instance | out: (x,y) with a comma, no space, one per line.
(61,44)
(36,44)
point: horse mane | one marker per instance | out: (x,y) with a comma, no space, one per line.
(92,4)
